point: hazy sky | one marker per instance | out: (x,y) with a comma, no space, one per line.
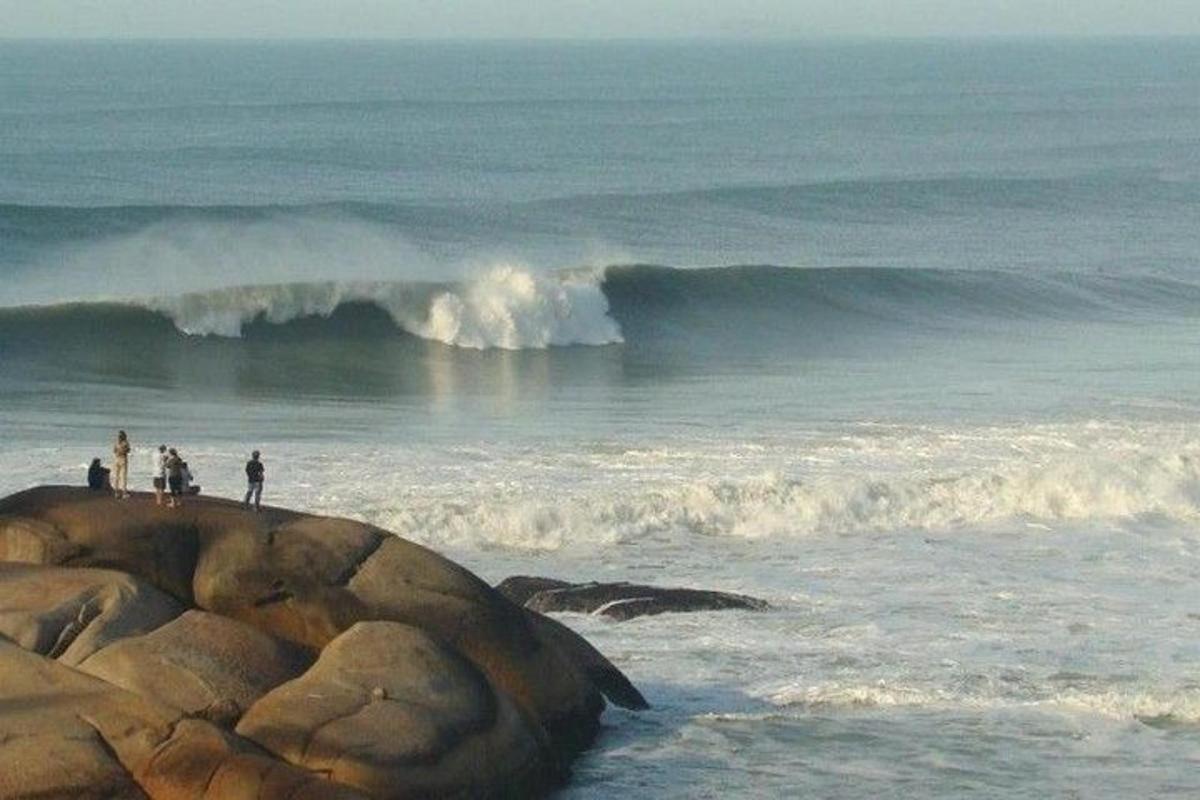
(592,18)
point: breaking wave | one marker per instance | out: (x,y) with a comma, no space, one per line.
(506,307)
(515,307)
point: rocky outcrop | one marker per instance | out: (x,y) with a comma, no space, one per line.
(330,650)
(619,601)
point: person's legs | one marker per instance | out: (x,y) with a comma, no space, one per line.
(119,472)
(249,493)
(258,486)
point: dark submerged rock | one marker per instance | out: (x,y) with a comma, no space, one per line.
(619,601)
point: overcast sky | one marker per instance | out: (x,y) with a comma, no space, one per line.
(592,18)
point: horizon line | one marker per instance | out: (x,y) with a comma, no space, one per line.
(681,39)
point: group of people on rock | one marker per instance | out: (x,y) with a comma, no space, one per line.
(172,476)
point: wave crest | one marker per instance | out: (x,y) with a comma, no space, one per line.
(505,307)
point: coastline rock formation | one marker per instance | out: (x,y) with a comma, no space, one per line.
(215,652)
(619,601)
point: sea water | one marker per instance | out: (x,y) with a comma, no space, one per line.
(900,337)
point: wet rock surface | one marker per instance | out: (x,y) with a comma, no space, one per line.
(215,652)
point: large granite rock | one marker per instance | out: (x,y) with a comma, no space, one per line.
(428,682)
(619,601)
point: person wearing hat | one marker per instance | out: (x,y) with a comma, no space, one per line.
(254,478)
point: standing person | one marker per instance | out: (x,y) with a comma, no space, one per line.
(160,474)
(174,478)
(121,466)
(254,479)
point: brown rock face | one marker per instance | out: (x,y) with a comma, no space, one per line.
(386,705)
(351,661)
(64,734)
(200,663)
(70,614)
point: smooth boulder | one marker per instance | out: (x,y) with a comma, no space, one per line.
(69,614)
(392,711)
(200,663)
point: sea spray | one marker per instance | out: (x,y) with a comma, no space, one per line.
(513,308)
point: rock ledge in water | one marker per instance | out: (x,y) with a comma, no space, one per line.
(212,652)
(619,601)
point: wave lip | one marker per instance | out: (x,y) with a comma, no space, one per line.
(506,307)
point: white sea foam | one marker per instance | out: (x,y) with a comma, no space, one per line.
(1068,488)
(1149,705)
(877,695)
(1181,707)
(506,306)
(514,308)
(1037,480)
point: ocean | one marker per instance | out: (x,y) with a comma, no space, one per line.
(898,336)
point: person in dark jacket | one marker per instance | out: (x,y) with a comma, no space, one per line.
(254,481)
(174,478)
(98,476)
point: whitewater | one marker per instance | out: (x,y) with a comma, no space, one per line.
(899,337)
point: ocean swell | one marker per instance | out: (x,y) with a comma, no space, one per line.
(745,308)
